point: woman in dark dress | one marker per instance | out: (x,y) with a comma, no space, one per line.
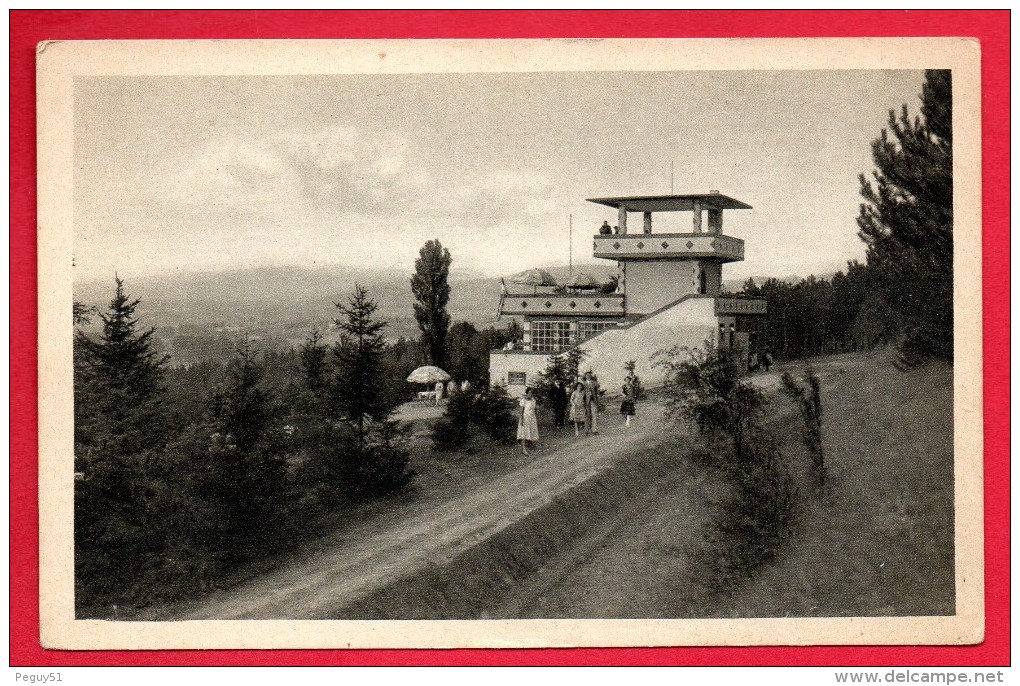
(627,408)
(558,399)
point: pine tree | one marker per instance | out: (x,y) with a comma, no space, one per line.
(313,361)
(359,385)
(907,220)
(119,421)
(431,288)
(245,467)
(242,409)
(118,384)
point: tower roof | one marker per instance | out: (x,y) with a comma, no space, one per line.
(673,203)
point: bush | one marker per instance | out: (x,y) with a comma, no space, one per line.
(705,385)
(339,467)
(490,411)
(757,516)
(496,413)
(761,507)
(809,402)
(449,435)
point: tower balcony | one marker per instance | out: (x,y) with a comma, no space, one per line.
(587,305)
(658,246)
(740,306)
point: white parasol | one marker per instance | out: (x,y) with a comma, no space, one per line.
(534,277)
(428,374)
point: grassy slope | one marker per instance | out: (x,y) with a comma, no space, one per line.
(882,542)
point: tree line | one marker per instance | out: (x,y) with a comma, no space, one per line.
(903,293)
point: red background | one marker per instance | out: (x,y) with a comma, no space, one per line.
(29,27)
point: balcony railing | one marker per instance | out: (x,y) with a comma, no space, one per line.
(601,305)
(740,306)
(650,246)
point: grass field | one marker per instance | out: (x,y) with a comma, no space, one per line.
(881,541)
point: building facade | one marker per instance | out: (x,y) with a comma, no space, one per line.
(669,292)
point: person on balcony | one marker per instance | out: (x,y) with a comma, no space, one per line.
(605,230)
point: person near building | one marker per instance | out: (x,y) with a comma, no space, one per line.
(527,425)
(627,408)
(577,408)
(558,399)
(591,408)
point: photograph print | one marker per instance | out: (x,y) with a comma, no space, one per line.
(523,334)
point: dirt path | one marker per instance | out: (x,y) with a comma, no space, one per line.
(423,534)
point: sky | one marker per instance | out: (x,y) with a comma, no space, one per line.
(204,173)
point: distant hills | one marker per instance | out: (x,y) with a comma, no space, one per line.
(282,304)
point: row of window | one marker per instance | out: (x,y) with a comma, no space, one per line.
(556,335)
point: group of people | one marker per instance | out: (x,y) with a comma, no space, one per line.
(756,361)
(581,407)
(445,390)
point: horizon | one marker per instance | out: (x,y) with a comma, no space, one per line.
(191,174)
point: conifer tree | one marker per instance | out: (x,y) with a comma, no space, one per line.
(360,389)
(242,409)
(118,382)
(119,421)
(907,220)
(313,361)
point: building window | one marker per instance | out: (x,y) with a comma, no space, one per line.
(517,378)
(551,336)
(586,329)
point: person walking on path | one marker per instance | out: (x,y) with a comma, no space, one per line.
(627,408)
(527,425)
(591,403)
(577,408)
(558,399)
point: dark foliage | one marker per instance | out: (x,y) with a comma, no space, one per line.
(761,506)
(489,413)
(359,391)
(809,402)
(118,389)
(431,288)
(820,317)
(705,386)
(162,514)
(758,514)
(907,220)
(313,355)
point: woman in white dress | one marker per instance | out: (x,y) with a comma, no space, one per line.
(527,425)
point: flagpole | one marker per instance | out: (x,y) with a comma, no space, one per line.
(571,251)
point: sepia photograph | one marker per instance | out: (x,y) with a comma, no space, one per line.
(492,339)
